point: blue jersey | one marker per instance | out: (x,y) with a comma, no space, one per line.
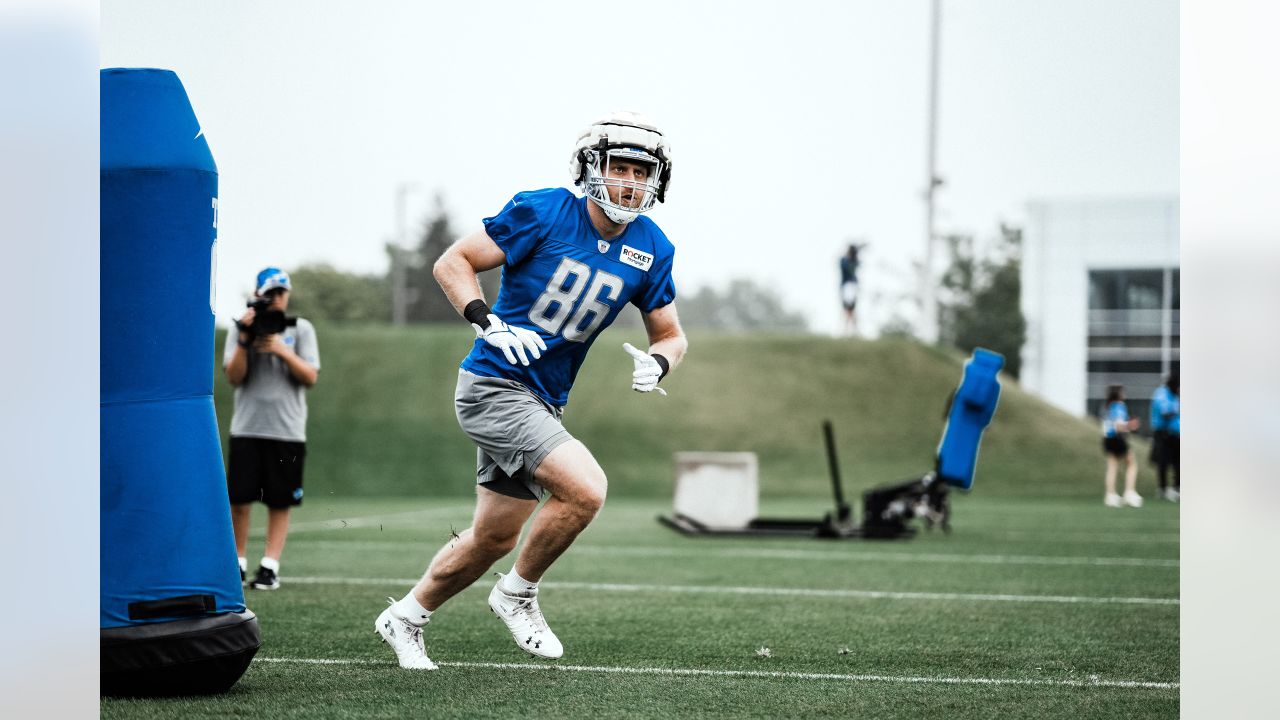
(1166,411)
(563,280)
(1116,419)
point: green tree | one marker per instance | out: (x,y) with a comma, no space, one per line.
(981,303)
(743,305)
(323,292)
(426,300)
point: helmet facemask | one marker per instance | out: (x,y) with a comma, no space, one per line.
(633,197)
(622,136)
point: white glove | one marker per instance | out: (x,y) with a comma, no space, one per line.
(647,371)
(511,340)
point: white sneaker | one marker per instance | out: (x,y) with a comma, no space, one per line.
(1132,499)
(1171,495)
(405,638)
(524,619)
(1112,500)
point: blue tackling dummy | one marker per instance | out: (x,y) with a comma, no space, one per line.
(971,411)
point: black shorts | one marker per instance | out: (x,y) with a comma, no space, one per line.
(1116,446)
(265,470)
(1165,448)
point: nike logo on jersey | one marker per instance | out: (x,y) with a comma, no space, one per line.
(635,258)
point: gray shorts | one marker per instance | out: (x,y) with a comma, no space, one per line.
(513,429)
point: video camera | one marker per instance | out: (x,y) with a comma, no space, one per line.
(265,320)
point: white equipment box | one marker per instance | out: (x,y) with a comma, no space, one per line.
(719,490)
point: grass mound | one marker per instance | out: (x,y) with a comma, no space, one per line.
(382,421)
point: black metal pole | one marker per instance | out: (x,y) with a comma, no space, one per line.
(833,464)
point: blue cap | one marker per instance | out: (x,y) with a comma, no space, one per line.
(271,278)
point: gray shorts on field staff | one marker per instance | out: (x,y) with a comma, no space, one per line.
(513,429)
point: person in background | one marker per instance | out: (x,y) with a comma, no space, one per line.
(849,287)
(271,372)
(1166,429)
(1116,426)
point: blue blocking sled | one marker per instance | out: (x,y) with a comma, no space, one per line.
(888,509)
(173,617)
(972,407)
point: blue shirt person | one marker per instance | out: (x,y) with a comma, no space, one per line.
(1166,437)
(1116,426)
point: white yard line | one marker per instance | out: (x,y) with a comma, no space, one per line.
(1091,681)
(408,517)
(775,591)
(1109,537)
(852,556)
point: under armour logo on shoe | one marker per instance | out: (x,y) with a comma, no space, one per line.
(390,630)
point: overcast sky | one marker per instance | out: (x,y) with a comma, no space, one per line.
(795,125)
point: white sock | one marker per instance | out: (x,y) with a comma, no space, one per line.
(244,564)
(410,609)
(271,564)
(514,584)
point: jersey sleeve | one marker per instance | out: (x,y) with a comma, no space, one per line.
(518,227)
(661,290)
(308,349)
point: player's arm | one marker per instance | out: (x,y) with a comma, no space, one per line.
(459,267)
(666,337)
(667,346)
(458,271)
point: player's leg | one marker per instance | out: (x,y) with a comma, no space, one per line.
(494,531)
(493,534)
(578,487)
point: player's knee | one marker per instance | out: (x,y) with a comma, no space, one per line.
(495,541)
(589,501)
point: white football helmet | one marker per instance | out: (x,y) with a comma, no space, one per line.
(622,135)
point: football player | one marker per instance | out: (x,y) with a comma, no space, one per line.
(569,266)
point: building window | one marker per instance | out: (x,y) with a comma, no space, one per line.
(1134,336)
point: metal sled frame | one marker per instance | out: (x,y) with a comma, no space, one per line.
(887,510)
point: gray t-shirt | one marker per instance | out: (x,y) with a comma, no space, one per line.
(270,403)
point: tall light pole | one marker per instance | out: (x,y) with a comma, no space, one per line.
(928,327)
(399,255)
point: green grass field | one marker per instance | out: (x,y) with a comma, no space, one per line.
(1052,607)
(1041,603)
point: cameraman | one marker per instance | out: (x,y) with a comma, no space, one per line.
(271,365)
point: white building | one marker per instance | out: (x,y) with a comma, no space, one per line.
(1100,292)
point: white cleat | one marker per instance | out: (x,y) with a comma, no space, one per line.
(405,638)
(524,619)
(1171,495)
(1133,499)
(1112,500)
